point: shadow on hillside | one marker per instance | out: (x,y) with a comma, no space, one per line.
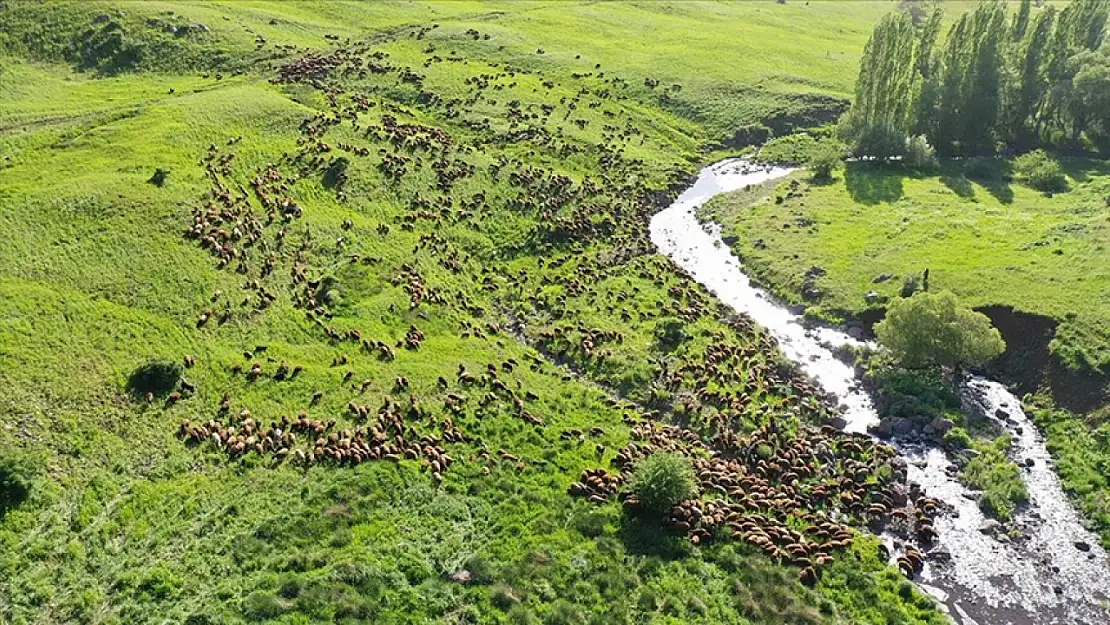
(1081,169)
(992,174)
(651,539)
(871,183)
(959,185)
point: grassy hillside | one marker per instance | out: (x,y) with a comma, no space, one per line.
(455,320)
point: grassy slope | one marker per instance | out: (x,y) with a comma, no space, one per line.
(126,524)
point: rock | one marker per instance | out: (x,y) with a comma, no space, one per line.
(872,297)
(940,555)
(1058,590)
(941,425)
(929,431)
(883,429)
(838,422)
(856,332)
(1029,462)
(759,244)
(730,240)
(1019,430)
(901,427)
(989,527)
(201,27)
(899,495)
(1001,414)
(883,277)
(1082,546)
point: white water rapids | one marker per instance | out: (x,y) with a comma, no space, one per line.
(1059,575)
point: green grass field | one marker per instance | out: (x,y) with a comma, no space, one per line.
(122,522)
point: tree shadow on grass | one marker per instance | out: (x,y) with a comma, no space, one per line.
(649,538)
(959,185)
(1081,169)
(872,183)
(992,174)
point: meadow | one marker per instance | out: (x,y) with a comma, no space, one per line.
(436,285)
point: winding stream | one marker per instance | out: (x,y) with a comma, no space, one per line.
(1057,574)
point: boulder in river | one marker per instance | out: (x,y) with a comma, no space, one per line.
(1082,546)
(941,425)
(901,426)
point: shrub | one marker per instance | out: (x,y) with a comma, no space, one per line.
(156,376)
(661,481)
(910,285)
(1039,170)
(933,329)
(159,177)
(17,472)
(919,154)
(335,176)
(824,162)
(880,141)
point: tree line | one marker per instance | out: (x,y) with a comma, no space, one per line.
(1038,77)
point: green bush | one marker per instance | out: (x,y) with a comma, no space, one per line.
(919,154)
(17,472)
(824,162)
(1039,170)
(661,481)
(880,141)
(670,332)
(934,329)
(997,477)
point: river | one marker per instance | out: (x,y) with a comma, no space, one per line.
(1054,574)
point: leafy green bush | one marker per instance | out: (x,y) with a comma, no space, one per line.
(1041,171)
(824,162)
(17,472)
(159,177)
(156,376)
(662,480)
(919,154)
(880,141)
(910,285)
(997,477)
(934,329)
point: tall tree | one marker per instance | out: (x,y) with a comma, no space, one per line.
(883,89)
(926,77)
(1030,77)
(1021,21)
